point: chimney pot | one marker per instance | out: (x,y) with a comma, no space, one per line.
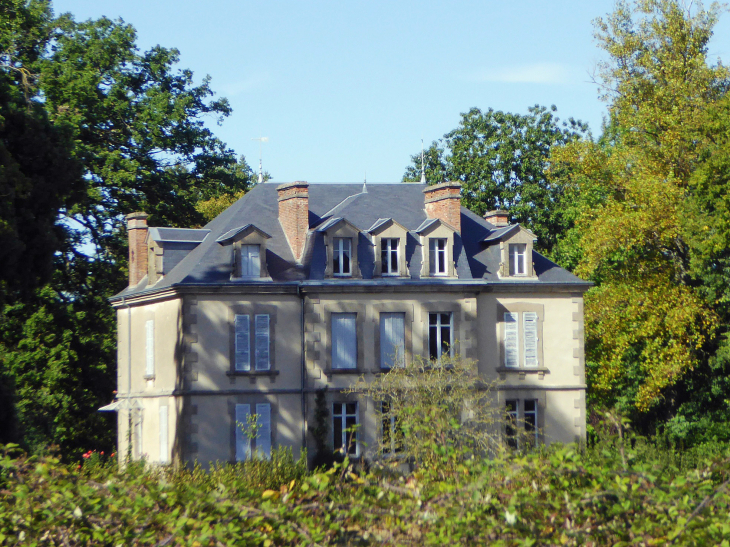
(294,214)
(137,233)
(443,201)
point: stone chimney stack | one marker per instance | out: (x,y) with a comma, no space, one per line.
(294,214)
(443,201)
(498,218)
(137,232)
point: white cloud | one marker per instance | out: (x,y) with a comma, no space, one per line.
(536,73)
(252,83)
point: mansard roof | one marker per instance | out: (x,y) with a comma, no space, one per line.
(209,263)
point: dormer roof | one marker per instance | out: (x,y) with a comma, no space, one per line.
(383,223)
(242,231)
(501,234)
(331,223)
(431,223)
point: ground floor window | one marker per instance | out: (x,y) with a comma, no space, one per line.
(344,427)
(391,433)
(440,335)
(521,428)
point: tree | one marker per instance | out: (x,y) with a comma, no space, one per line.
(648,322)
(501,161)
(133,124)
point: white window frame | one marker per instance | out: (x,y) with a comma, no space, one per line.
(439,325)
(342,416)
(520,418)
(392,448)
(433,256)
(336,343)
(139,434)
(341,247)
(389,246)
(521,340)
(517,259)
(250,261)
(386,353)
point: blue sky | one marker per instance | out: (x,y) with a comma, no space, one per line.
(342,89)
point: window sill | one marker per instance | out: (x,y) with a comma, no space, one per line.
(523,370)
(252,373)
(332,371)
(149,376)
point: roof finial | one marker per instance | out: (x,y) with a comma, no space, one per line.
(261,140)
(365,183)
(423,168)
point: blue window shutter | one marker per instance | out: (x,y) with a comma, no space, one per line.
(150,347)
(511,349)
(243,441)
(392,339)
(164,456)
(529,320)
(242,343)
(344,340)
(263,434)
(262,342)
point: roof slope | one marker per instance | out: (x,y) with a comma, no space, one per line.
(210,263)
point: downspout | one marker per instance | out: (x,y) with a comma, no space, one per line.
(304,370)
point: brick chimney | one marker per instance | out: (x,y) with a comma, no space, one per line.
(294,214)
(497,218)
(443,201)
(137,232)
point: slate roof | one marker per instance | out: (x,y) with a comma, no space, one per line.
(209,263)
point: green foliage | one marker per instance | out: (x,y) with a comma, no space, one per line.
(628,491)
(323,456)
(501,160)
(434,414)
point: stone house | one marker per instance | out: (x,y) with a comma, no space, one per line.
(296,287)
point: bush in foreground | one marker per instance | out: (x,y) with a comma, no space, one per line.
(607,495)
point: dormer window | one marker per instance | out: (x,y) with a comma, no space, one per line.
(437,256)
(517,259)
(250,261)
(342,256)
(389,255)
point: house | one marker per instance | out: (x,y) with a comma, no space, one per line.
(297,286)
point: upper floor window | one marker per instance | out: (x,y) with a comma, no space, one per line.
(250,261)
(517,259)
(344,340)
(437,255)
(262,343)
(389,255)
(512,339)
(440,335)
(342,256)
(392,339)
(150,348)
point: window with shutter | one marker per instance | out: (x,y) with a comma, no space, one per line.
(511,346)
(243,440)
(344,340)
(164,456)
(262,342)
(529,322)
(263,432)
(392,339)
(150,347)
(242,343)
(250,261)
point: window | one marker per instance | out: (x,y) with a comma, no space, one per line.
(164,456)
(440,335)
(437,256)
(138,433)
(150,348)
(529,339)
(517,259)
(250,261)
(392,435)
(344,424)
(521,427)
(344,341)
(389,256)
(242,342)
(261,436)
(392,339)
(342,254)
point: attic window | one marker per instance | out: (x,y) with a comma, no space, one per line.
(437,256)
(517,259)
(250,261)
(342,256)
(389,255)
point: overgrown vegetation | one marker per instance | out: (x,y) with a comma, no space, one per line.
(630,491)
